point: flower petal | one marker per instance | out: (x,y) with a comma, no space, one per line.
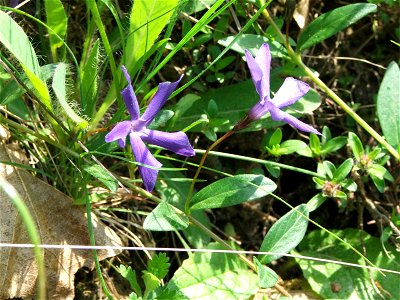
(119,132)
(144,156)
(278,115)
(290,91)
(257,111)
(130,98)
(176,142)
(259,77)
(165,89)
(263,59)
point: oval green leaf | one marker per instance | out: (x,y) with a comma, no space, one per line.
(285,234)
(233,190)
(388,105)
(165,218)
(332,22)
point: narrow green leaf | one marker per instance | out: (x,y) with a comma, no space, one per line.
(332,22)
(202,275)
(333,145)
(388,104)
(315,144)
(147,20)
(355,145)
(232,190)
(99,173)
(59,89)
(165,218)
(343,170)
(89,81)
(266,276)
(285,234)
(329,168)
(316,202)
(57,20)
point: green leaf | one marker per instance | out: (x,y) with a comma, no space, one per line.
(316,202)
(388,104)
(291,146)
(315,144)
(355,145)
(232,190)
(13,37)
(130,275)
(57,20)
(266,276)
(380,172)
(147,20)
(214,276)
(343,170)
(329,169)
(59,89)
(191,7)
(285,234)
(151,282)
(275,138)
(99,173)
(89,84)
(332,22)
(253,42)
(165,218)
(354,283)
(333,144)
(159,265)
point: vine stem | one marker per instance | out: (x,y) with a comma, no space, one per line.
(203,159)
(297,59)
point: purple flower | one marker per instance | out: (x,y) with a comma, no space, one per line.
(290,91)
(13,3)
(139,134)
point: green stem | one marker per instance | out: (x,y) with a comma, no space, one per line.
(260,161)
(32,233)
(297,59)
(93,243)
(203,159)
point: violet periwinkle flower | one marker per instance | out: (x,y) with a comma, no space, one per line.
(290,91)
(139,134)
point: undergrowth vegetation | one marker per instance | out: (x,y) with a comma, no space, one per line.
(239,149)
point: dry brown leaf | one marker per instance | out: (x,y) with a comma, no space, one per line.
(301,13)
(58,222)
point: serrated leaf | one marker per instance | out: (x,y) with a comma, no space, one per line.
(99,173)
(388,104)
(332,22)
(159,265)
(354,283)
(130,275)
(285,234)
(266,276)
(165,218)
(232,190)
(202,275)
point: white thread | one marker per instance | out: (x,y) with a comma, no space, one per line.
(83,247)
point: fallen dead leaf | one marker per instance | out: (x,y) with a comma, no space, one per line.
(301,13)
(58,222)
